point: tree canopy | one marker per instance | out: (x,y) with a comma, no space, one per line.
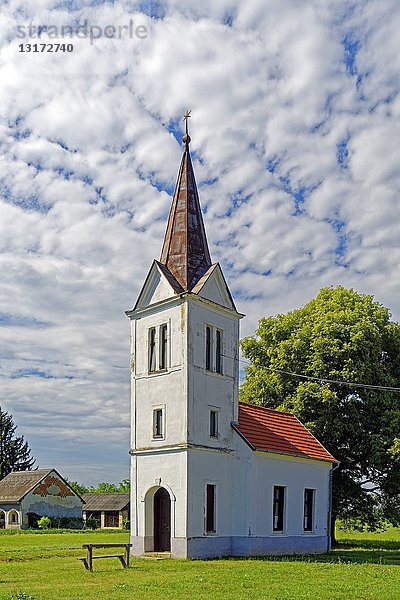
(346,336)
(15,454)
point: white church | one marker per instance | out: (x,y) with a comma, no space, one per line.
(211,476)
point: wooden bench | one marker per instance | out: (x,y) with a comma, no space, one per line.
(88,560)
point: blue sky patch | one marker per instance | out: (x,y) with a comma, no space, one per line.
(351,47)
(176,127)
(162,186)
(228,19)
(64,146)
(22,321)
(273,164)
(69,5)
(155,10)
(29,203)
(237,200)
(298,194)
(66,174)
(339,227)
(342,153)
(31,373)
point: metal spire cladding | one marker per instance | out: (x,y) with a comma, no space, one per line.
(185,251)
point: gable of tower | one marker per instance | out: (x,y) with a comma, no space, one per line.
(159,285)
(212,286)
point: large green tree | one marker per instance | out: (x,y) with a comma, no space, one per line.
(15,454)
(346,336)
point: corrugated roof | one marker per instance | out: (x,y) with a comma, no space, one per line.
(274,431)
(18,483)
(114,501)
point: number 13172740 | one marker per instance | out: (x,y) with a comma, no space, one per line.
(46,47)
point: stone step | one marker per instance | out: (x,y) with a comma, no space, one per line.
(156,555)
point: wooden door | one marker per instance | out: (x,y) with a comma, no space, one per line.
(162,521)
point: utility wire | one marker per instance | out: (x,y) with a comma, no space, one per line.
(319,379)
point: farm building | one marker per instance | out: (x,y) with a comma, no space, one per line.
(109,510)
(25,496)
(211,476)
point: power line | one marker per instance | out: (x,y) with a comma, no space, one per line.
(320,379)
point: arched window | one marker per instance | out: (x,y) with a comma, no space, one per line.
(13,517)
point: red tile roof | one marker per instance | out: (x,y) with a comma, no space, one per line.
(279,432)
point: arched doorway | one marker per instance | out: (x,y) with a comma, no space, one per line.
(2,519)
(162,521)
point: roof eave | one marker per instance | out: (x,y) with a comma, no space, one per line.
(240,434)
(296,455)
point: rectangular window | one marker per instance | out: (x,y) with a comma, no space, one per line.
(308,524)
(218,351)
(208,348)
(158,425)
(214,423)
(210,508)
(152,349)
(278,507)
(111,519)
(163,346)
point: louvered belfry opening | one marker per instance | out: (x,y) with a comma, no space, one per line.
(185,251)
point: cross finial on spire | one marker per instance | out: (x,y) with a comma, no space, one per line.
(187,116)
(186,137)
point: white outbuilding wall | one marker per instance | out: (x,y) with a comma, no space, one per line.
(52,503)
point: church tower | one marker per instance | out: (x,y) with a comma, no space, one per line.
(184,378)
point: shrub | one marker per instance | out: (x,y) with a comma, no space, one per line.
(126,524)
(44,523)
(91,523)
(66,522)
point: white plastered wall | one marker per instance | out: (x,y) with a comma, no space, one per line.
(207,388)
(149,473)
(258,472)
(166,389)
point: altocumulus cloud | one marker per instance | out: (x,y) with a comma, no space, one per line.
(295,144)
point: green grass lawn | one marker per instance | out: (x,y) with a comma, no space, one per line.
(37,566)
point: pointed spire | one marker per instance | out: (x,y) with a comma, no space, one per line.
(185,251)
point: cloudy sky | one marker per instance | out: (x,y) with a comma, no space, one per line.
(295,140)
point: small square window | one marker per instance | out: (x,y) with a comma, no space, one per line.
(158,423)
(214,432)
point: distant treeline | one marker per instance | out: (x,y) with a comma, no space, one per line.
(104,487)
